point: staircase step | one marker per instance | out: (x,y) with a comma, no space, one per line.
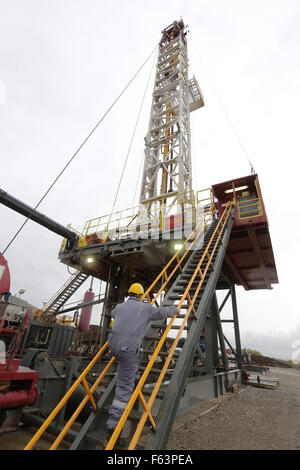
(173,327)
(161,353)
(195,264)
(193,289)
(148,392)
(177,327)
(136,415)
(169,372)
(185,307)
(187,276)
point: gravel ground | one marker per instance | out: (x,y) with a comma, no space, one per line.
(253,418)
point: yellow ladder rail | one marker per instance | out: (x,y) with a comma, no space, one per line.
(137,392)
(80,407)
(197,231)
(63,401)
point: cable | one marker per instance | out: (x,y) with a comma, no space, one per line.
(80,147)
(137,181)
(141,162)
(225,112)
(130,144)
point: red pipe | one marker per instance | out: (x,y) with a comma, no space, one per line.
(15,399)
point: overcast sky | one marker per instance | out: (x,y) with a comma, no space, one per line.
(62,63)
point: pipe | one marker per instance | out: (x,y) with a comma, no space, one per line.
(78,306)
(19,206)
(17,398)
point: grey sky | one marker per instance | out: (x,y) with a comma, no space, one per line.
(62,65)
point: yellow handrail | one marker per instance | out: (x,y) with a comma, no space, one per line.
(197,230)
(63,401)
(137,392)
(192,238)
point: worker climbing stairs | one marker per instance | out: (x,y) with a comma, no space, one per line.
(188,280)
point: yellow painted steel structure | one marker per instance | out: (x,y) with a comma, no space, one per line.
(157,287)
(254,207)
(89,396)
(136,219)
(200,270)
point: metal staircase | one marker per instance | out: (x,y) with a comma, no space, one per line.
(189,280)
(65,292)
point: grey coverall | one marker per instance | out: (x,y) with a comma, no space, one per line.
(130,321)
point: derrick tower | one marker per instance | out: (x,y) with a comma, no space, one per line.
(167,175)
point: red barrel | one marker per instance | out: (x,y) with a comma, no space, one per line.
(86,312)
(4,276)
(18,398)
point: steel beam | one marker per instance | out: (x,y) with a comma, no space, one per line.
(224,301)
(215,310)
(32,214)
(232,349)
(236,328)
(175,390)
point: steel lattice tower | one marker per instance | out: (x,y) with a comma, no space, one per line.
(167,175)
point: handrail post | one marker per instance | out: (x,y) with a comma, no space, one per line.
(62,402)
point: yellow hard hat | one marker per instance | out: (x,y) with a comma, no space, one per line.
(136,288)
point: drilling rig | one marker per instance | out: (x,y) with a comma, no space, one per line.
(183,245)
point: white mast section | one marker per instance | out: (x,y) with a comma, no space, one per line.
(167,175)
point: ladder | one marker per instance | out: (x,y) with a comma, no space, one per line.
(191,276)
(65,292)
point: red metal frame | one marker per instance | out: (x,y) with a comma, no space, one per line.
(249,259)
(253,187)
(22,390)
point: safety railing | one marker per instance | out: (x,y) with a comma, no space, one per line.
(148,219)
(64,242)
(178,257)
(89,396)
(200,272)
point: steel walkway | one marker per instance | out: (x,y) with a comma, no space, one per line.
(65,292)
